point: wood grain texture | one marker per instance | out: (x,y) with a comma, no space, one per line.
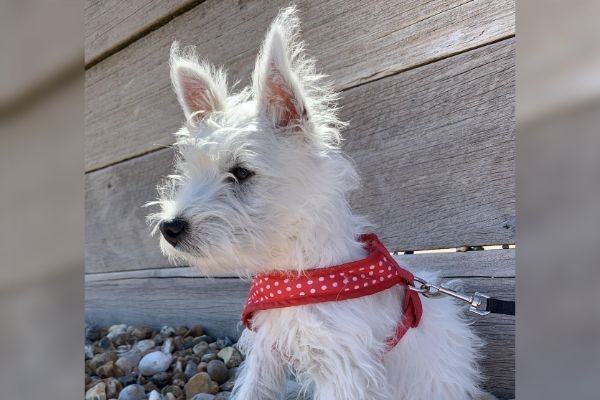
(435,149)
(181,297)
(130,107)
(434,145)
(110,24)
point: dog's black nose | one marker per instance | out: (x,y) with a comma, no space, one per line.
(173,230)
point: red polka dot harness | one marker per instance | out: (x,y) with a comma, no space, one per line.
(376,273)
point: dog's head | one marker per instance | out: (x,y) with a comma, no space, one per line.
(258,170)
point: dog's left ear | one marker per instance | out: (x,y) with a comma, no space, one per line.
(277,81)
(200,88)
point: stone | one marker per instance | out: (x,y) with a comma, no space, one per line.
(200,383)
(89,351)
(108,370)
(206,338)
(104,344)
(204,396)
(170,396)
(141,333)
(128,379)
(167,331)
(121,339)
(150,386)
(180,330)
(113,387)
(223,396)
(132,392)
(201,348)
(92,333)
(161,379)
(98,392)
(227,386)
(154,395)
(195,330)
(208,357)
(230,356)
(202,367)
(218,371)
(190,369)
(178,342)
(153,363)
(176,391)
(128,361)
(144,346)
(233,372)
(114,330)
(168,346)
(101,359)
(223,342)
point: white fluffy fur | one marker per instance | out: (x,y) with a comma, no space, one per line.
(293,214)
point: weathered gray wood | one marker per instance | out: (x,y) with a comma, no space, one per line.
(485,264)
(435,148)
(434,145)
(110,24)
(156,300)
(130,107)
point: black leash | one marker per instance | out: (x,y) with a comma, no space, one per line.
(480,303)
(496,306)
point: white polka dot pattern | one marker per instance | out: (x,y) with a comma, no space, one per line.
(378,272)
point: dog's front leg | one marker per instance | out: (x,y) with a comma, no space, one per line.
(262,376)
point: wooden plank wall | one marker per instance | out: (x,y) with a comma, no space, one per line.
(428,89)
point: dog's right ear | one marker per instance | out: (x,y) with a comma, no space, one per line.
(201,90)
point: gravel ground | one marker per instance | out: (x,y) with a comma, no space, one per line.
(175,363)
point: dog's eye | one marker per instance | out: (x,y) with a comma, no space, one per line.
(240,173)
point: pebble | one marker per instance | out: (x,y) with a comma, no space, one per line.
(108,370)
(206,338)
(144,346)
(223,342)
(180,330)
(200,383)
(121,339)
(202,367)
(161,379)
(230,356)
(208,357)
(104,344)
(153,363)
(98,392)
(167,331)
(204,396)
(195,330)
(218,371)
(154,395)
(128,379)
(190,369)
(128,361)
(113,387)
(132,392)
(93,333)
(223,396)
(168,346)
(141,333)
(201,348)
(89,351)
(115,330)
(176,391)
(228,386)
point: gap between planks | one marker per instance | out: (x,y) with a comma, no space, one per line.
(373,78)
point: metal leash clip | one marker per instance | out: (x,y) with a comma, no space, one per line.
(478,305)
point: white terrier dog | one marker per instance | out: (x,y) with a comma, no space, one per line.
(261,185)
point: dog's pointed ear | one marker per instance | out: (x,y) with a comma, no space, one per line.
(201,90)
(277,83)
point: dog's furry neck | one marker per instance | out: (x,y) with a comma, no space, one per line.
(331,239)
